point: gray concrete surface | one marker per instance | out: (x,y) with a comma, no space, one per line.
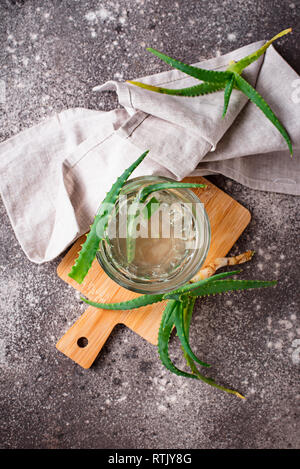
(52,54)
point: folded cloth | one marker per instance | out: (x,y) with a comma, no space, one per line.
(54,175)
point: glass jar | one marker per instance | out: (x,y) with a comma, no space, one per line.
(171,238)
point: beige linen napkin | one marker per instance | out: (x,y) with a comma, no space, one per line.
(53,176)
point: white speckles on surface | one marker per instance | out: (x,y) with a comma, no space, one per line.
(296,352)
(278,345)
(10,50)
(78,294)
(91,16)
(121,399)
(45,98)
(102,14)
(269,322)
(118,76)
(161,408)
(231,37)
(122,20)
(25,61)
(285,323)
(2,351)
(171,399)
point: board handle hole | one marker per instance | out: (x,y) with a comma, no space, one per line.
(82,342)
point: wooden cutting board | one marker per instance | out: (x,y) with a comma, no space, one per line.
(84,340)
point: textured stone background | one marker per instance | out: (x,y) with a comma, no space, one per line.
(52,54)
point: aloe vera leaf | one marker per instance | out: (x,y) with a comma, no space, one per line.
(141,198)
(150,208)
(179,324)
(206,380)
(199,73)
(164,333)
(142,300)
(146,191)
(257,99)
(189,287)
(223,286)
(188,307)
(91,244)
(227,94)
(168,313)
(192,91)
(239,66)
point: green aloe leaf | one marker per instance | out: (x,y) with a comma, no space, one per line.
(227,94)
(199,73)
(163,341)
(257,99)
(179,324)
(188,307)
(91,244)
(216,80)
(188,288)
(168,313)
(209,381)
(142,300)
(223,286)
(192,91)
(150,208)
(239,66)
(146,191)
